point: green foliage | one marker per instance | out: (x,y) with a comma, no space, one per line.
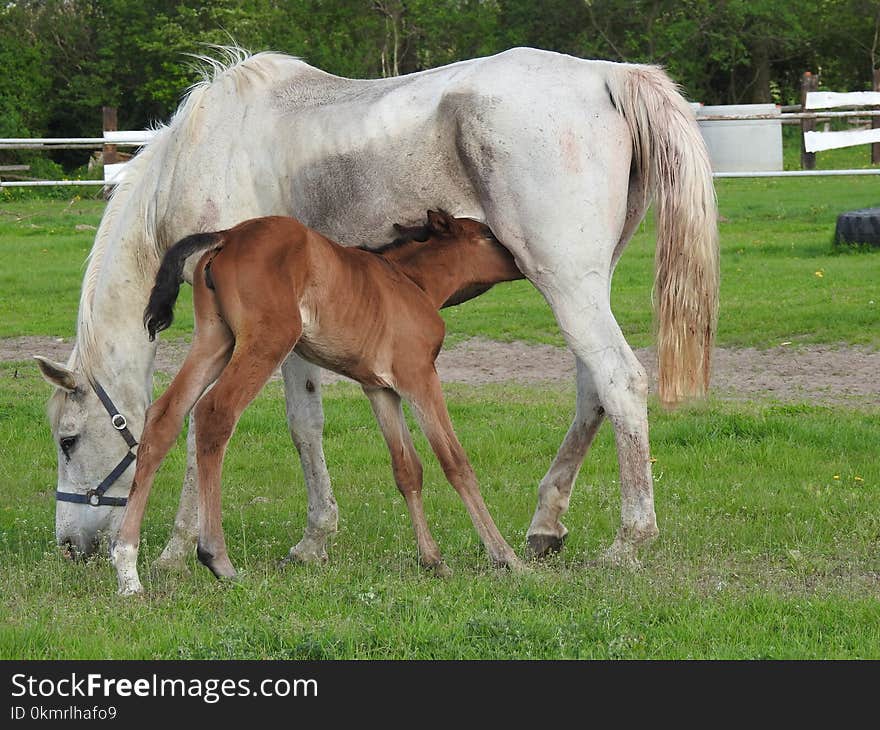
(63,59)
(25,79)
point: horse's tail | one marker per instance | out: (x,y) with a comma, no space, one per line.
(159,313)
(670,156)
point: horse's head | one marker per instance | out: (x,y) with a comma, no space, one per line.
(95,450)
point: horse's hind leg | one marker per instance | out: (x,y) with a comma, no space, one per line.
(407,472)
(186,522)
(426,397)
(305,418)
(547,533)
(253,361)
(620,381)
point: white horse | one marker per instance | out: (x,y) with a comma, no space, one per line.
(560,156)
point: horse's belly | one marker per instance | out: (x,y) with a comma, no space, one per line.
(355,191)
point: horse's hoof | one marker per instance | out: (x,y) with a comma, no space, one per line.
(620,555)
(518,567)
(231,579)
(133,588)
(439,569)
(542,546)
(175,564)
(306,553)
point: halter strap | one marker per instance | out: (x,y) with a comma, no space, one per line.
(116,418)
(96,497)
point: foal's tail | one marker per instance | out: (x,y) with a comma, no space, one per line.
(159,313)
(670,156)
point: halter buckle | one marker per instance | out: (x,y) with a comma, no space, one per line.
(119,422)
(94,498)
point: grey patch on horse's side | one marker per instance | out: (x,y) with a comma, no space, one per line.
(373,204)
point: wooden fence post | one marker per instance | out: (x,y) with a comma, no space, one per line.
(875,123)
(109,154)
(808,83)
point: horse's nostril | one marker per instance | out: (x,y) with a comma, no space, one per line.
(68,549)
(73,549)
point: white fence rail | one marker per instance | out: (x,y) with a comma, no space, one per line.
(818,141)
(112,173)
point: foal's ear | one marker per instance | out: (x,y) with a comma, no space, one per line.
(56,374)
(441,222)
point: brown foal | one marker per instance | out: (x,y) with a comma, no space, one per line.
(272,285)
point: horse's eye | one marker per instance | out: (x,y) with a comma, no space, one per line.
(67,443)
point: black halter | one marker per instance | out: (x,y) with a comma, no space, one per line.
(96,497)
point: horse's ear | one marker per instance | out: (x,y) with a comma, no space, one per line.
(441,222)
(56,374)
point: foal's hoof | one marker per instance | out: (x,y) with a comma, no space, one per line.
(513,564)
(221,566)
(542,546)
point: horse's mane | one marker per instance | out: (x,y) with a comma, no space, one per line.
(132,208)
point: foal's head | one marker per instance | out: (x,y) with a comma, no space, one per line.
(453,241)
(458,251)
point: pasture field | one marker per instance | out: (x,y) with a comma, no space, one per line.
(769,512)
(763,551)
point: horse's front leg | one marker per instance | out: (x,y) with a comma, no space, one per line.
(182,542)
(305,417)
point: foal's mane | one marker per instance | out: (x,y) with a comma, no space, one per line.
(132,212)
(418,234)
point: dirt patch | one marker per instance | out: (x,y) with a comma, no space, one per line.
(817,373)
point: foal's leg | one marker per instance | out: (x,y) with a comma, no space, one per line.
(407,472)
(252,364)
(426,397)
(547,533)
(305,418)
(206,358)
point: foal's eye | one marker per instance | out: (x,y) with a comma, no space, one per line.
(67,443)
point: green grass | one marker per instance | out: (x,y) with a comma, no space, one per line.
(763,552)
(44,258)
(775,237)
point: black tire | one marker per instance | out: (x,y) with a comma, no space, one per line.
(859,226)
